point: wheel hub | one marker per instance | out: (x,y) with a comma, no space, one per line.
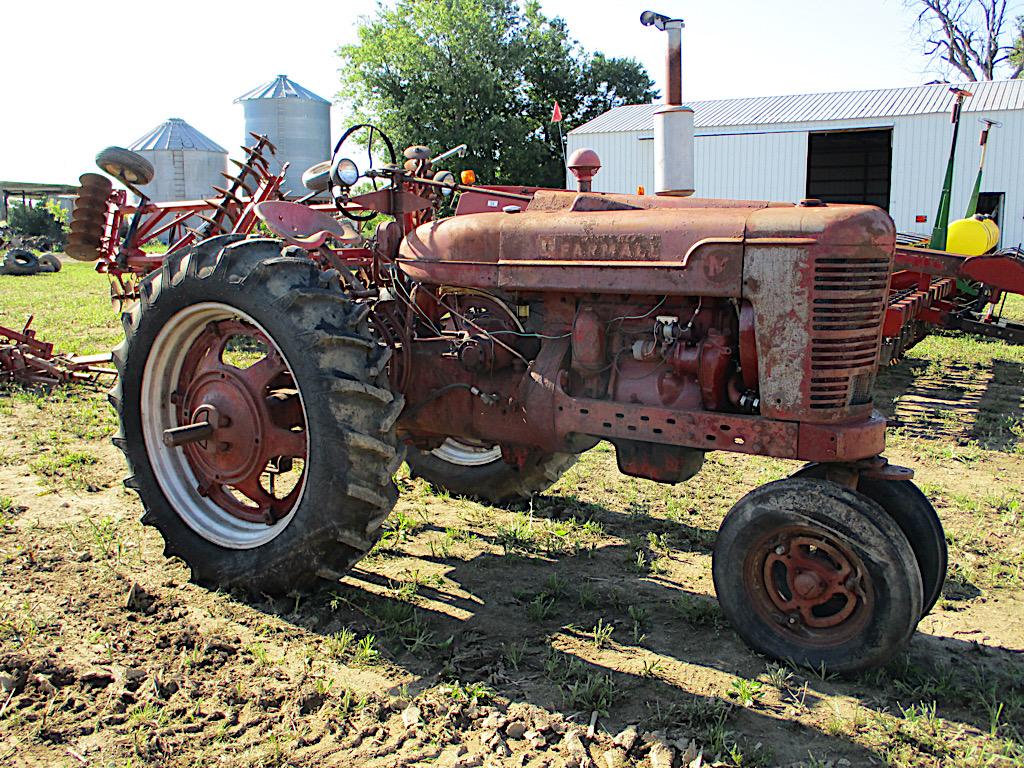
(225,401)
(810,583)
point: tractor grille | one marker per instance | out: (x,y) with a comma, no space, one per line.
(846,324)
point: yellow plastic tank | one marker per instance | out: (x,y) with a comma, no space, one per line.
(973,236)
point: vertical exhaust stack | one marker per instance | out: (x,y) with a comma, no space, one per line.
(673,122)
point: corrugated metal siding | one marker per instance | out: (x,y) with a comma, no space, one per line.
(819,107)
(626,161)
(771,162)
(920,152)
(301,130)
(182,175)
(722,166)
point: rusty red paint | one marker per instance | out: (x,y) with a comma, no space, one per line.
(684,252)
(674,68)
(749,365)
(588,342)
(305,227)
(584,164)
(1002,271)
(565,247)
(824,581)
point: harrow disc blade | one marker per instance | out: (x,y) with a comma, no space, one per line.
(82,252)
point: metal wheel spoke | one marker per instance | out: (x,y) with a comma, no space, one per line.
(260,375)
(252,411)
(250,487)
(285,442)
(210,359)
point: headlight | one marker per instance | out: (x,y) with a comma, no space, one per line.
(345,172)
(447,178)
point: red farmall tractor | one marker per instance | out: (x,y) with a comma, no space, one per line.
(270,387)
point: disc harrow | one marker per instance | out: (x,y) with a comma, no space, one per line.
(108,229)
(28,361)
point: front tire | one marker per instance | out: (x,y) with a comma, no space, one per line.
(311,392)
(812,572)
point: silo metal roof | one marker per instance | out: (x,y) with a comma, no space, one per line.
(819,107)
(175,133)
(281,88)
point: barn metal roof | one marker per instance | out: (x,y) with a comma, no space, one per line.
(175,133)
(281,88)
(819,107)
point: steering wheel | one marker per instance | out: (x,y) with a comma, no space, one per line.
(373,134)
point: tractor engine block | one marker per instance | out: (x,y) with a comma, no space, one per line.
(667,326)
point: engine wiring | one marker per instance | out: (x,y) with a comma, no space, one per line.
(405,296)
(648,313)
(440,391)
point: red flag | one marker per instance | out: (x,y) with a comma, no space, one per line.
(556,116)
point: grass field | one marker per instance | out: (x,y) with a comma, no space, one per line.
(468,620)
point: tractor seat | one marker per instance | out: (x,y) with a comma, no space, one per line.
(307,228)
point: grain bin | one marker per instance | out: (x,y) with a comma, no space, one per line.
(295,119)
(187,163)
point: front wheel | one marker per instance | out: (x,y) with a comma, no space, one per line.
(915,516)
(256,423)
(812,572)
(479,472)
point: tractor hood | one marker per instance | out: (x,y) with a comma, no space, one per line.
(594,243)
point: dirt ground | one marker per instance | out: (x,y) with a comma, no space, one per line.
(581,630)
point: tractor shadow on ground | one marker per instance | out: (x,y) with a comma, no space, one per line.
(955,402)
(560,668)
(463,627)
(635,521)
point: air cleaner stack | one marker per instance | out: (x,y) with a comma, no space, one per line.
(673,122)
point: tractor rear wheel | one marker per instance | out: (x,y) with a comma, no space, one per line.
(479,471)
(257,423)
(812,572)
(916,517)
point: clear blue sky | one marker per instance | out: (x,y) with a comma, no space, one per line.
(83,75)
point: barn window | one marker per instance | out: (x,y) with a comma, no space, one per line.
(850,166)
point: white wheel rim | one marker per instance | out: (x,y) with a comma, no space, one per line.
(170,466)
(466,454)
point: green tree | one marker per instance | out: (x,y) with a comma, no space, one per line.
(1017,54)
(483,72)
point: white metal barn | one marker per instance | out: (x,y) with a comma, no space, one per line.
(884,147)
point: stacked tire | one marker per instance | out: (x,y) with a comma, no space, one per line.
(21,261)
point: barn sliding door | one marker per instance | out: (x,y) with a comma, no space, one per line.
(850,167)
